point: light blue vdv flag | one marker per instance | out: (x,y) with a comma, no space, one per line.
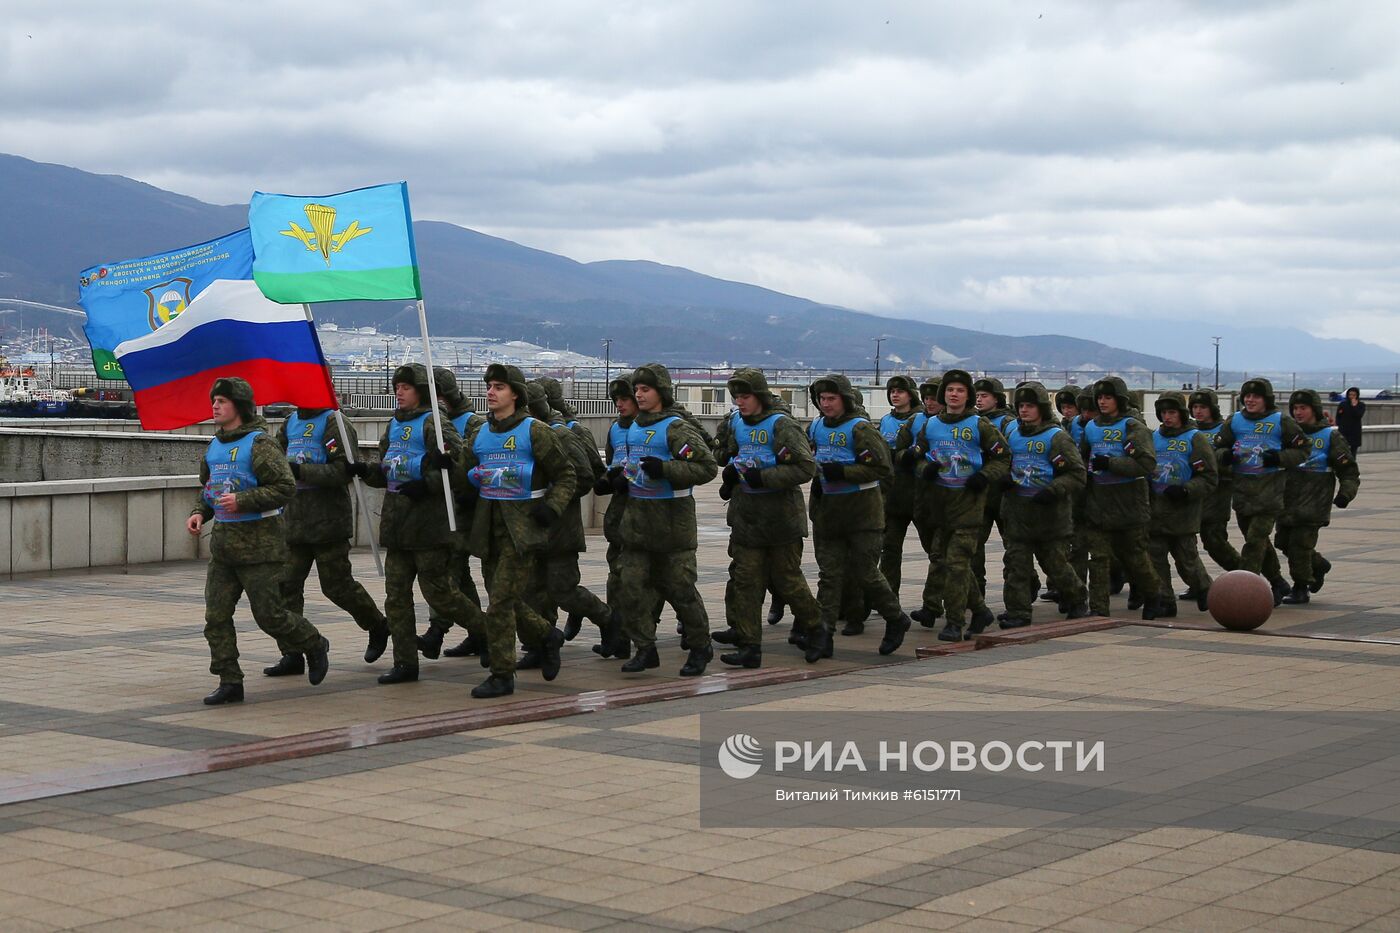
(133,297)
(353,245)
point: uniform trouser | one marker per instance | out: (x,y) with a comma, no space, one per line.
(932,596)
(1018,569)
(960,590)
(1182,549)
(431,568)
(223,585)
(1215,538)
(1258,555)
(1128,546)
(561,582)
(1079,550)
(648,578)
(852,560)
(1299,545)
(614,585)
(755,570)
(892,553)
(338,584)
(508,576)
(460,572)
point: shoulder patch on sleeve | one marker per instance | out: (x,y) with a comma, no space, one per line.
(686,452)
(784,455)
(866,456)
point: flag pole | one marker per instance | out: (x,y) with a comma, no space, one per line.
(437,416)
(350,456)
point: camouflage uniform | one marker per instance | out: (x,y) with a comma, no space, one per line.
(464,421)
(320,519)
(952,498)
(1185,476)
(1247,443)
(929,539)
(1036,524)
(413,526)
(508,535)
(765,515)
(848,513)
(248,555)
(1078,542)
(1329,468)
(1215,510)
(898,487)
(1001,418)
(615,642)
(1120,456)
(658,531)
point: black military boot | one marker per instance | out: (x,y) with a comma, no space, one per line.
(798,637)
(1298,597)
(549,653)
(530,659)
(1151,608)
(852,627)
(775,613)
(430,643)
(378,641)
(318,661)
(287,664)
(572,626)
(1166,608)
(747,656)
(818,644)
(1203,600)
(226,693)
(644,659)
(1116,581)
(924,617)
(1135,599)
(399,675)
(1050,596)
(1014,622)
(694,665)
(894,633)
(497,685)
(1077,611)
(1281,589)
(981,620)
(729,636)
(952,631)
(464,649)
(1316,585)
(1187,595)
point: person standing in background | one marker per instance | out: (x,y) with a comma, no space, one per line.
(1349,414)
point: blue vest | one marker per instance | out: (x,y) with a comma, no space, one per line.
(1173,459)
(403,461)
(231,470)
(617,439)
(836,445)
(650,441)
(306,440)
(955,446)
(1319,449)
(756,443)
(1076,431)
(890,425)
(460,422)
(1031,466)
(505,464)
(1107,440)
(1252,438)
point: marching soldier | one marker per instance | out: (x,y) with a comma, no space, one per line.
(898,487)
(320,523)
(614,642)
(245,481)
(989,399)
(1215,510)
(1329,468)
(1184,478)
(932,597)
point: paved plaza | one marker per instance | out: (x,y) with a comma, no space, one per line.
(127,805)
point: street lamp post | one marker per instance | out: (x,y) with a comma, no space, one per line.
(1217,363)
(388,373)
(878,341)
(607,361)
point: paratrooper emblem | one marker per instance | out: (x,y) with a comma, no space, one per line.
(322,237)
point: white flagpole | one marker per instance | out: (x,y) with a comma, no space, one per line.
(354,480)
(437,417)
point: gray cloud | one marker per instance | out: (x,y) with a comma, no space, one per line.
(1202,160)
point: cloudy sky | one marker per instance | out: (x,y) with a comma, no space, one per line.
(1214,160)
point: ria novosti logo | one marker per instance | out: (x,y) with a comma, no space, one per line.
(740,756)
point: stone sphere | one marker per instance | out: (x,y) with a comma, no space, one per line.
(1240,600)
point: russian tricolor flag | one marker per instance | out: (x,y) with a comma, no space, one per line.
(228,329)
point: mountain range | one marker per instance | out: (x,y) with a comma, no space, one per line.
(480,285)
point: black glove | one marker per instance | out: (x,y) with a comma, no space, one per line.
(977,482)
(1342,501)
(726,490)
(833,472)
(754,477)
(816,489)
(730,474)
(603,487)
(1270,458)
(909,458)
(1045,496)
(931,469)
(543,515)
(1225,457)
(296,469)
(359,468)
(466,494)
(435,459)
(414,489)
(1175,493)
(653,467)
(1101,462)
